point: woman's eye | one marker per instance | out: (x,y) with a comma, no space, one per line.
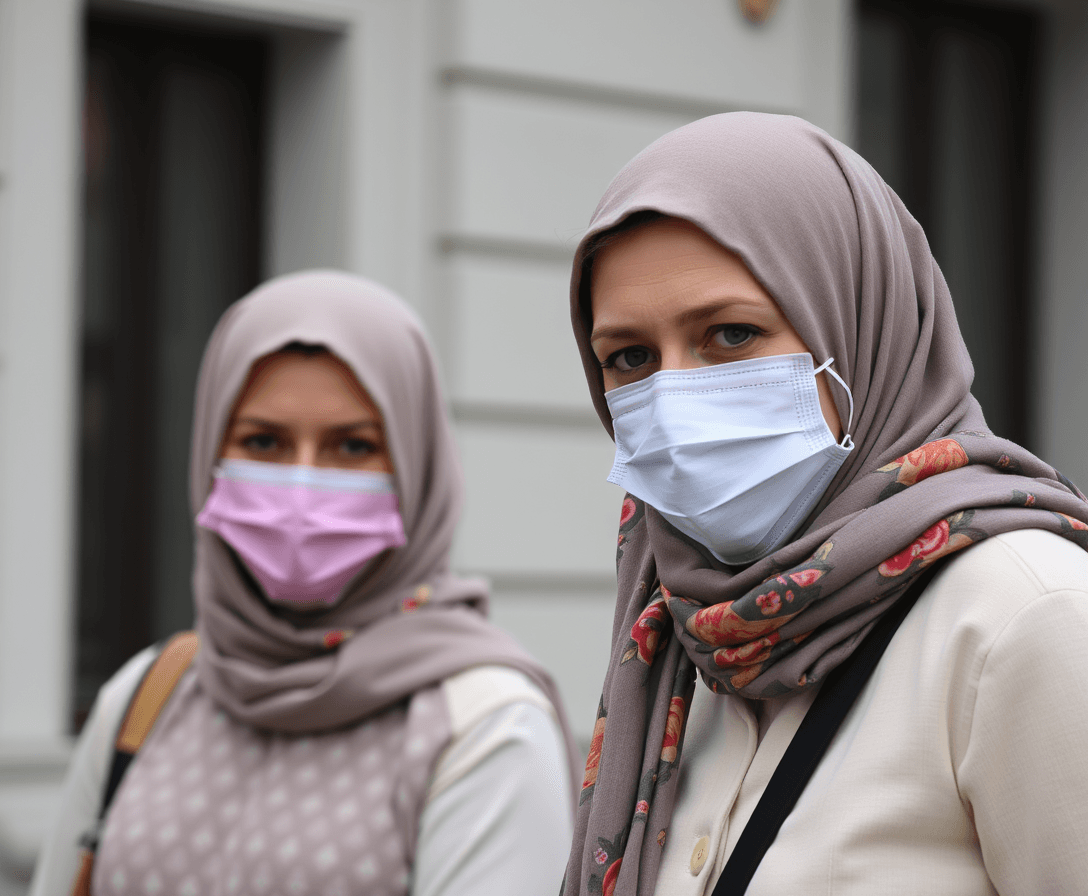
(261,441)
(357,447)
(734,335)
(627,359)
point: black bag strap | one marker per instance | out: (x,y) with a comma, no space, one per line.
(810,743)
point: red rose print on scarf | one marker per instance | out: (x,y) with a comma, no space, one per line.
(921,463)
(719,624)
(595,747)
(944,537)
(674,725)
(746,654)
(769,603)
(420,596)
(790,584)
(649,631)
(1074,523)
(608,888)
(932,541)
(805,578)
(631,513)
(336,637)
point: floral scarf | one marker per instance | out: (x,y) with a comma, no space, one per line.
(852,271)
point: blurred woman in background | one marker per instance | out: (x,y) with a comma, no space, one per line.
(351,723)
(768,339)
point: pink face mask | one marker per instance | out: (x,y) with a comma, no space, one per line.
(303,532)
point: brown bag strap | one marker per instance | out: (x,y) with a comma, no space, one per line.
(147,701)
(82,884)
(155,690)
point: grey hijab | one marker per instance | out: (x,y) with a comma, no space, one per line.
(853,273)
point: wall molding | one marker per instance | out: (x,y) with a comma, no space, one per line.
(582,92)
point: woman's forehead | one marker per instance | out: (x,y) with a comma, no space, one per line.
(672,268)
(304,383)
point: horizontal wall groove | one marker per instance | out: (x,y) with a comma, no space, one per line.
(34,763)
(493,413)
(530,584)
(581,92)
(506,248)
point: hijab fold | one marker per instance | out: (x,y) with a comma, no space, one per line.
(408,622)
(853,272)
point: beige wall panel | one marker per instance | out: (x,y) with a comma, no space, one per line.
(702,49)
(533,168)
(510,335)
(570,633)
(537,503)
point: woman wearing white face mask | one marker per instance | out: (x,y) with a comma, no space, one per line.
(886,604)
(350,722)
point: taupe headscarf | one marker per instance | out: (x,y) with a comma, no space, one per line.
(853,273)
(406,626)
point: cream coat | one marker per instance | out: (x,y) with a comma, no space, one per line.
(962,770)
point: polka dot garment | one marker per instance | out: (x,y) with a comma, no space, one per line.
(331,814)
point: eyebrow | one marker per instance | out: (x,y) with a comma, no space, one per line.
(339,427)
(691,315)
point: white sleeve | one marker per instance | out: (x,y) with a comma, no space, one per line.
(498,819)
(81,797)
(1025,769)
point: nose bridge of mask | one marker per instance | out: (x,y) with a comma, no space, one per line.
(754,398)
(296,475)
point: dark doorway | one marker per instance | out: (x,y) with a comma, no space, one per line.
(173,138)
(946,113)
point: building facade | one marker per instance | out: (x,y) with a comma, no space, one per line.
(453,150)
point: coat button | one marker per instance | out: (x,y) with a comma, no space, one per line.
(699,854)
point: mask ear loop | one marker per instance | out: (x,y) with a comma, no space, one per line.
(846,442)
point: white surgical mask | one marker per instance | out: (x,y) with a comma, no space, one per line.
(734,455)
